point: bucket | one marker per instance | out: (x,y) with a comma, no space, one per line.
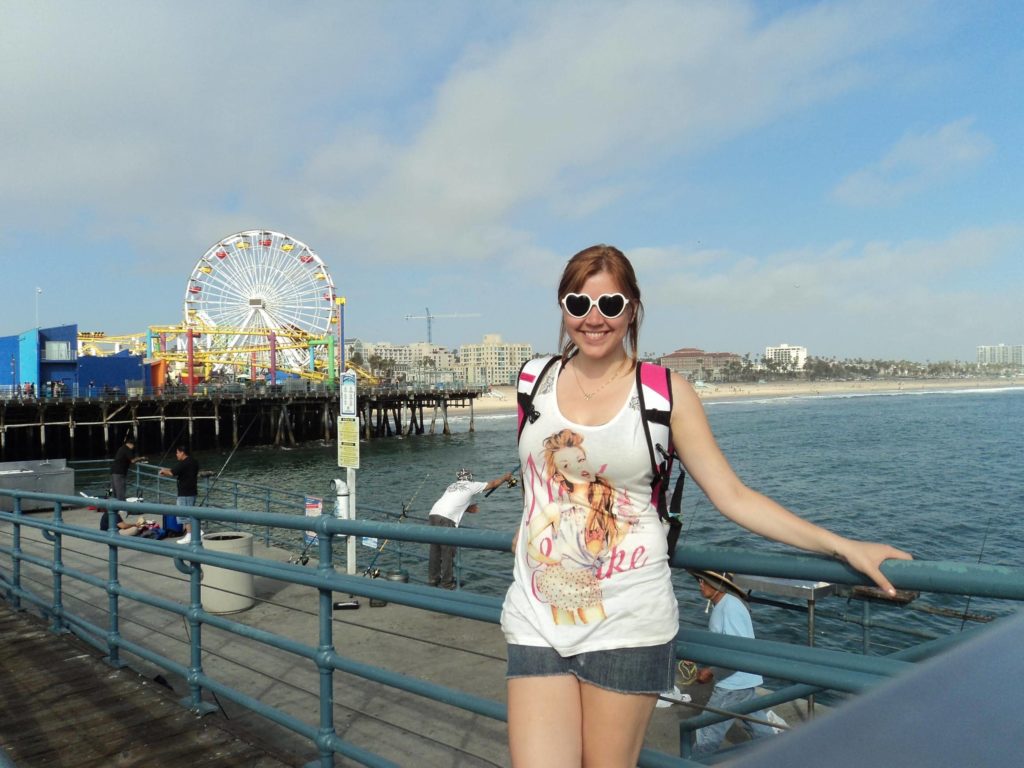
(402,576)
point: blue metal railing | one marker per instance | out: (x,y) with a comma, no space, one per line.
(810,669)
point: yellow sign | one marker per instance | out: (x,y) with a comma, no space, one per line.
(348,442)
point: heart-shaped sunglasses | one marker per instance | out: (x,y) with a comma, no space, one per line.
(611,305)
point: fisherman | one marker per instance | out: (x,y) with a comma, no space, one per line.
(729,616)
(186,471)
(447,512)
(123,459)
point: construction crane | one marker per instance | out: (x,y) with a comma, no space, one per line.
(430,320)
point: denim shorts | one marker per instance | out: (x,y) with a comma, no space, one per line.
(649,669)
(185,501)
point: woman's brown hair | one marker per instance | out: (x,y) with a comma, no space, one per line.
(592,261)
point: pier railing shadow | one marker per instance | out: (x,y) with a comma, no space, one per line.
(36,571)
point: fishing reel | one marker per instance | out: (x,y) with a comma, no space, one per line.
(512,482)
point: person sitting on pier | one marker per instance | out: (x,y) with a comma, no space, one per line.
(447,512)
(729,616)
(186,471)
(123,527)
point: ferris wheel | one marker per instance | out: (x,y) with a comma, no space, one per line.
(260,298)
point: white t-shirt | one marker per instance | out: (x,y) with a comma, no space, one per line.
(456,499)
(591,564)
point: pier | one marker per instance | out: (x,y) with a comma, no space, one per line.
(93,424)
(413,677)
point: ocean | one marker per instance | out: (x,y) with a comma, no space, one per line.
(935,473)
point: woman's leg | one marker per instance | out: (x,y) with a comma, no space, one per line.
(544,721)
(614,725)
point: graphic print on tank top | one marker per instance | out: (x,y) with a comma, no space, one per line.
(572,536)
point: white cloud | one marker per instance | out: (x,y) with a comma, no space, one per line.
(883,298)
(916,163)
(379,130)
(573,98)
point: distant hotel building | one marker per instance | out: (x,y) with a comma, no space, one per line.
(1001,354)
(787,357)
(404,356)
(493,362)
(698,365)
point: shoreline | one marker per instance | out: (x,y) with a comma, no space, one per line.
(505,399)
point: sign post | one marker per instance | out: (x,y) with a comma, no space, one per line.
(348,433)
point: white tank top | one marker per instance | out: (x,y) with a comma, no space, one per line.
(591,565)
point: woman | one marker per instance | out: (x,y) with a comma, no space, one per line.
(582,693)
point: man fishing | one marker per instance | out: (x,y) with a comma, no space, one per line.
(186,472)
(447,512)
(123,460)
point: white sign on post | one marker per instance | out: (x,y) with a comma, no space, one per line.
(348,394)
(348,423)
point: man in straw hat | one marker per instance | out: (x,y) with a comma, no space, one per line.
(729,616)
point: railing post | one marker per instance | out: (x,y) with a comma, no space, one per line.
(266,508)
(194,701)
(325,651)
(16,556)
(113,622)
(57,625)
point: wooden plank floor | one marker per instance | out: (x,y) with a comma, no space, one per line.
(61,706)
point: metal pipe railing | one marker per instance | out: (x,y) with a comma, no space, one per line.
(811,668)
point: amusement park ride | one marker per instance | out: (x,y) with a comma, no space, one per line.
(257,303)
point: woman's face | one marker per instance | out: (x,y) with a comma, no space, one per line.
(571,464)
(596,335)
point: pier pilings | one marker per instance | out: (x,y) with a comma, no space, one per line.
(93,427)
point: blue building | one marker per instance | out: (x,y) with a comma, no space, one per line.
(44,362)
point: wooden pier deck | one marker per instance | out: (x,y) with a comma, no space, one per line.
(62,705)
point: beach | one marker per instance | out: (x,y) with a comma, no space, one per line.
(503,399)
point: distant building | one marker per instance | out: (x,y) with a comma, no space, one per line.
(1001,354)
(401,355)
(417,363)
(493,362)
(698,365)
(45,362)
(787,357)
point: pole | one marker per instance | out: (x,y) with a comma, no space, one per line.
(38,291)
(350,473)
(340,301)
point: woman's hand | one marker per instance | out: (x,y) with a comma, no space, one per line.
(868,556)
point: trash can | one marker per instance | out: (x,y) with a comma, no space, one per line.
(225,590)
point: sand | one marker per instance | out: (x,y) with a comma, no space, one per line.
(504,399)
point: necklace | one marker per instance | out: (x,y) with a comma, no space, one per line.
(589,395)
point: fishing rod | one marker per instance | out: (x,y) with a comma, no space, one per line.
(405,512)
(172,444)
(231,455)
(511,483)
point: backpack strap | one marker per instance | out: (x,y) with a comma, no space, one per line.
(654,389)
(530,376)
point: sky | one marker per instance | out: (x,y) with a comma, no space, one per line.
(844,176)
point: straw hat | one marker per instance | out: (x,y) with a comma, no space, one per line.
(721,581)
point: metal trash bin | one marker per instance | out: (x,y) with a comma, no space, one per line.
(225,590)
